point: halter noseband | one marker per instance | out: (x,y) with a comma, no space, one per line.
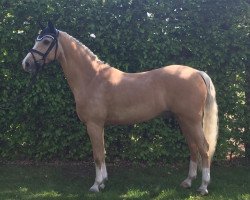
(44,55)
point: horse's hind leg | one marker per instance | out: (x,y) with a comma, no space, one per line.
(196,140)
(193,156)
(192,173)
(203,148)
(96,134)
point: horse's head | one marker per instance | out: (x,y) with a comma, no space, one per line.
(44,50)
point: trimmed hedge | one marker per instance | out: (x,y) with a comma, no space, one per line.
(134,36)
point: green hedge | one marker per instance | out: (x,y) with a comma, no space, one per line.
(134,36)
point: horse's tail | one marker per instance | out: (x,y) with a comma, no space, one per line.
(210,117)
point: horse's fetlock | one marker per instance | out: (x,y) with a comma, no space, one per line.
(191,178)
(187,183)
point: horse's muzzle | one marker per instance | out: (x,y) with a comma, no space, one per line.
(30,67)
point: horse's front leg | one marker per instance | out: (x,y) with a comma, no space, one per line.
(96,134)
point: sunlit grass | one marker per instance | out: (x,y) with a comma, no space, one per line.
(244,196)
(132,194)
(125,183)
(166,194)
(45,194)
(23,190)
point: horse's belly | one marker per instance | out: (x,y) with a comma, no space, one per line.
(134,114)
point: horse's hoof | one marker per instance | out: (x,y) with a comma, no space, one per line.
(185,184)
(94,188)
(102,186)
(203,191)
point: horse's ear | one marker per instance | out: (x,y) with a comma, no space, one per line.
(51,27)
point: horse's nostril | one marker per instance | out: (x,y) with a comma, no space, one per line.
(27,64)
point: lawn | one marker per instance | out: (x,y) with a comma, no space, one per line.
(71,182)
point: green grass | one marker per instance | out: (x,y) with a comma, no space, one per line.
(67,182)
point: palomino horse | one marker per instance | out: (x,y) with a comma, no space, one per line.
(105,95)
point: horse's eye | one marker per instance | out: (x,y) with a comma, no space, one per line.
(46,42)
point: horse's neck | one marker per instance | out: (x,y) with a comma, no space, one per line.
(78,63)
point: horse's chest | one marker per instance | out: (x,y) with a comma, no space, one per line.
(91,109)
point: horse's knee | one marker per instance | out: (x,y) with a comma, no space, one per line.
(98,159)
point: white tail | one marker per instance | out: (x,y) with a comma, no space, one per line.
(210,118)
